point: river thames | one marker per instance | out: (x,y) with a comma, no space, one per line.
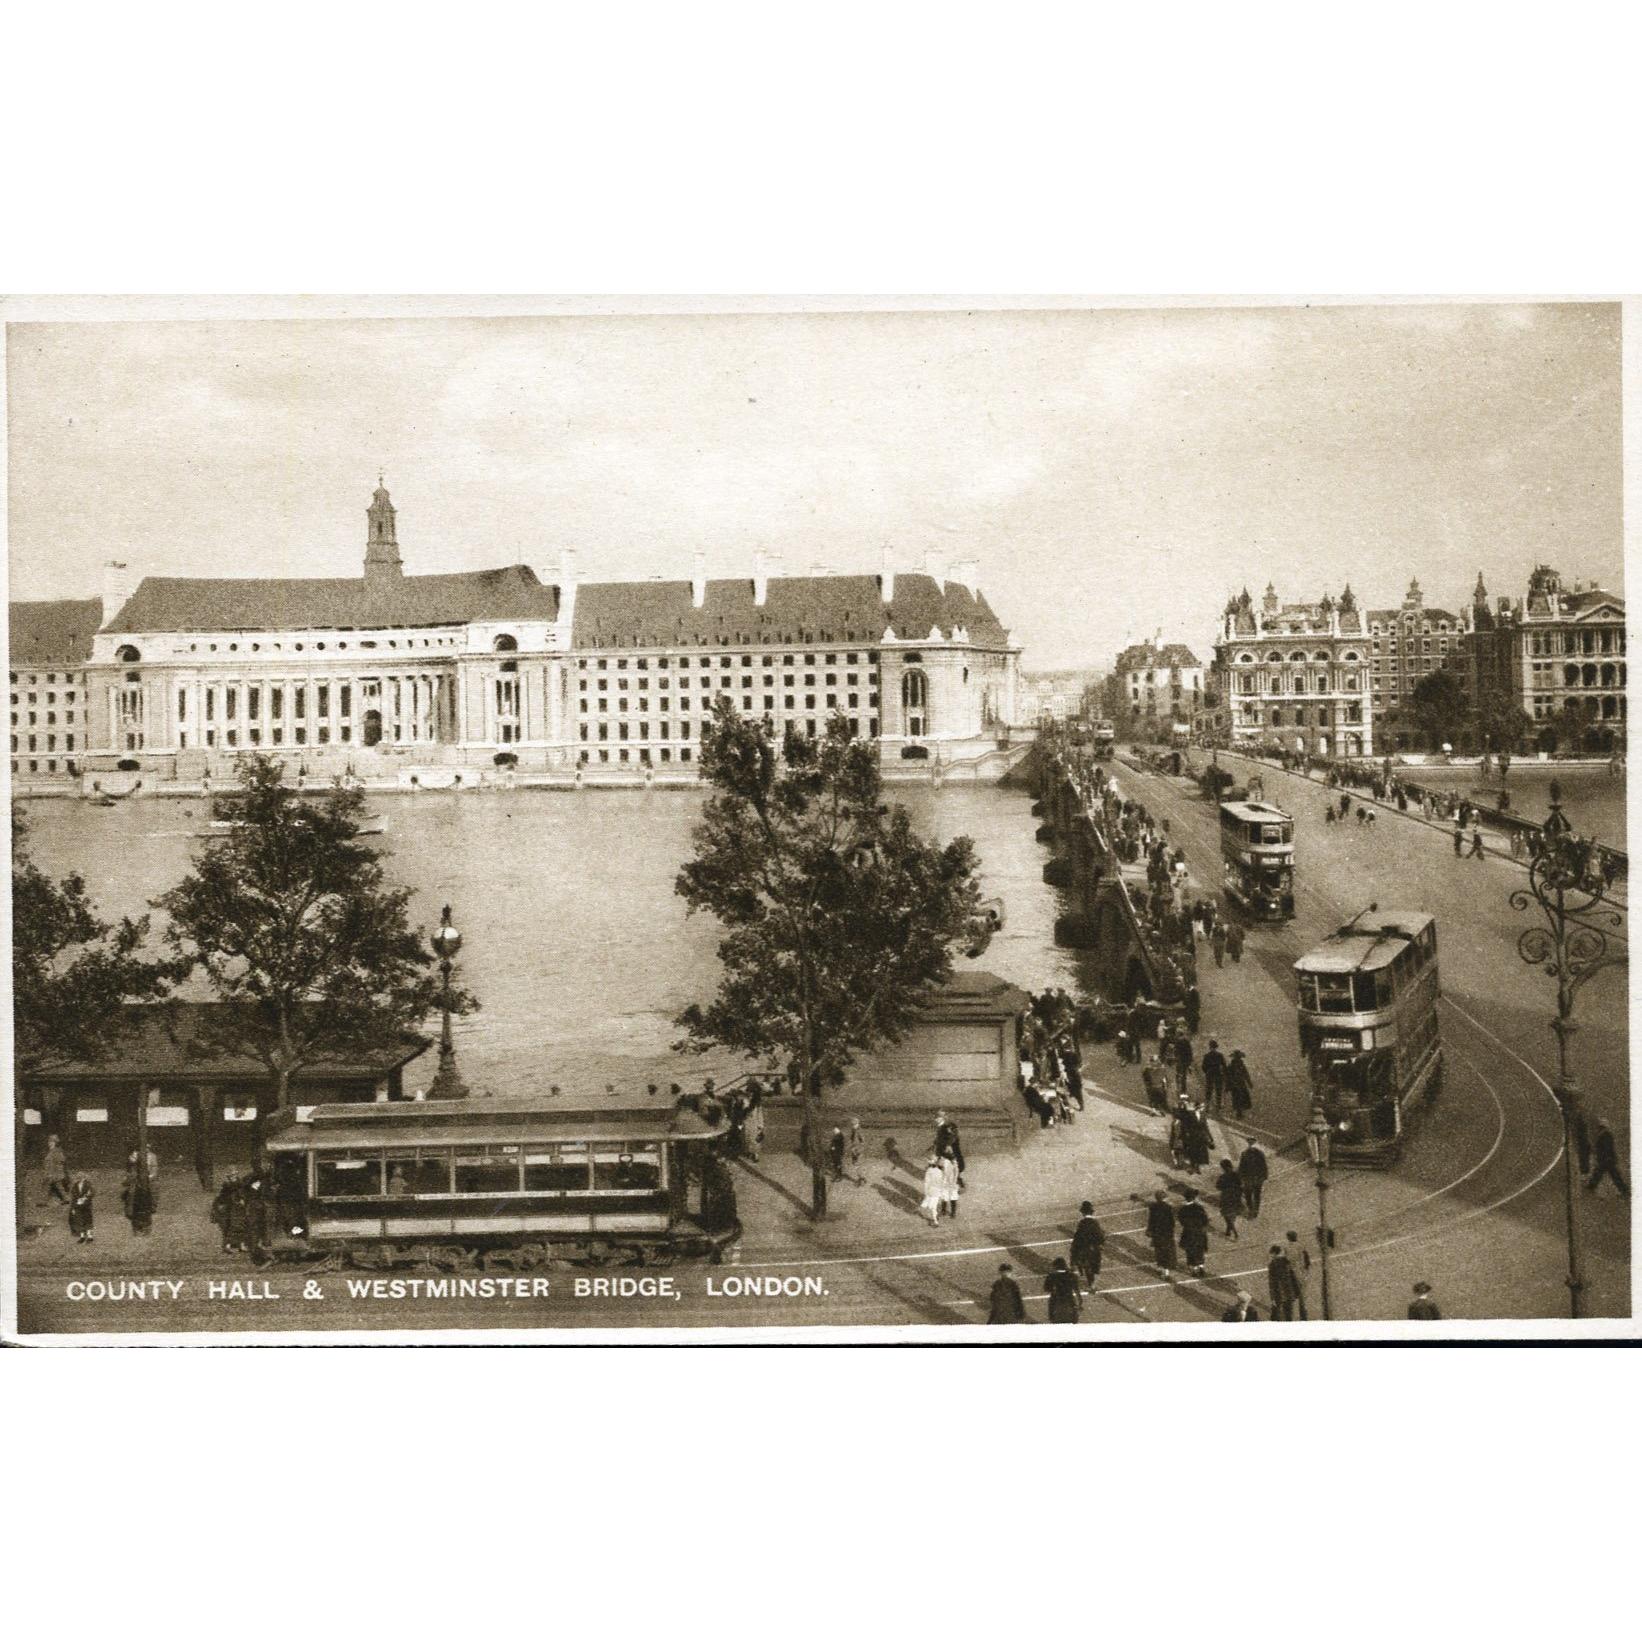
(579,951)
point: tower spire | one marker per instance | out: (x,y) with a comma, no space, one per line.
(382,562)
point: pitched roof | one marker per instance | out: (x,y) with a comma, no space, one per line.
(161,1041)
(1579,604)
(1137,656)
(796,610)
(188,604)
(1422,613)
(53,630)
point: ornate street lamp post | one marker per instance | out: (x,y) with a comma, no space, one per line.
(1566,884)
(447,1083)
(1318,1134)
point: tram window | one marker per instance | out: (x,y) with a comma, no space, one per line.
(636,1170)
(556,1168)
(348,1176)
(413,1176)
(1373,989)
(1308,993)
(481,1170)
(1334,994)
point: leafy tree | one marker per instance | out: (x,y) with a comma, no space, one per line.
(1439,707)
(70,970)
(293,922)
(838,916)
(1501,720)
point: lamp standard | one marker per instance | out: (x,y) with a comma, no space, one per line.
(447,1083)
(1566,885)
(1318,1134)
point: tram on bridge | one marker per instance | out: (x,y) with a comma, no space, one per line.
(1105,737)
(1257,855)
(1368,1027)
(452,1184)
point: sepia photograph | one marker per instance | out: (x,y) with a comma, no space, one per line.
(967,819)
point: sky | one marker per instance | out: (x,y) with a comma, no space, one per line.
(1115,472)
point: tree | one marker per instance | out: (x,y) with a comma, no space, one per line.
(838,916)
(1439,707)
(70,970)
(292,920)
(1501,721)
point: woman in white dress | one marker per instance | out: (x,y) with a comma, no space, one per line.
(934,1187)
(949,1184)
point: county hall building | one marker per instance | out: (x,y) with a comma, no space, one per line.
(393,676)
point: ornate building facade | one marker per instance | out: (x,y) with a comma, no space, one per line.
(1296,675)
(388,671)
(1407,643)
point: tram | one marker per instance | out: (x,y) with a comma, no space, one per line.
(1368,1027)
(1257,855)
(1105,738)
(453,1184)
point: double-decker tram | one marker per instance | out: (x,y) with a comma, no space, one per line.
(1368,1027)
(1257,854)
(1105,733)
(453,1183)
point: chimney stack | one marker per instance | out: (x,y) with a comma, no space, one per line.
(118,586)
(567,586)
(887,580)
(761,577)
(698,580)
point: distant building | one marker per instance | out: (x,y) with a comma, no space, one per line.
(1160,684)
(1296,675)
(1405,644)
(50,645)
(387,669)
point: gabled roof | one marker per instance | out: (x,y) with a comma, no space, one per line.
(188,604)
(796,610)
(53,631)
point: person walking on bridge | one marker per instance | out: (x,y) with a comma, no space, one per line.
(1476,842)
(1160,1229)
(1234,942)
(1239,1084)
(1252,1170)
(1283,1284)
(1214,1076)
(1005,1304)
(1194,1233)
(1183,1058)
(1065,1296)
(1088,1240)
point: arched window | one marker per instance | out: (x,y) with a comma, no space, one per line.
(915,700)
(1320,655)
(128,653)
(505,641)
(1246,659)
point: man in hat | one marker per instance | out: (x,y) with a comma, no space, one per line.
(1300,1264)
(1218,941)
(1422,1308)
(1243,1311)
(1283,1285)
(946,1140)
(1005,1303)
(1088,1236)
(1234,942)
(1194,1233)
(1214,1076)
(1252,1170)
(1065,1296)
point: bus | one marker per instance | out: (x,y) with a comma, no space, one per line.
(1105,733)
(1257,854)
(1368,1029)
(458,1183)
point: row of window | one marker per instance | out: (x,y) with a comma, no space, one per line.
(50,744)
(641,664)
(33,679)
(1604,641)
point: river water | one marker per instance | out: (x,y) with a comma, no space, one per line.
(579,950)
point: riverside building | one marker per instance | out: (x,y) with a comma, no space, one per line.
(417,677)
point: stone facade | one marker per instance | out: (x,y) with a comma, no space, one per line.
(391,671)
(1160,684)
(1407,643)
(1297,675)
(51,642)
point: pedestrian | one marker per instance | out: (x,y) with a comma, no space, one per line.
(138,1196)
(1156,1082)
(1252,1170)
(228,1210)
(1194,1008)
(1243,1311)
(857,1152)
(1605,1155)
(1194,1232)
(934,1185)
(1231,1196)
(1234,942)
(1199,1143)
(1300,1264)
(1214,1076)
(1160,1226)
(1239,1085)
(1422,1308)
(81,1214)
(946,1138)
(837,1149)
(1283,1285)
(950,1184)
(1218,941)
(752,1126)
(1476,842)
(1005,1304)
(1088,1239)
(1183,1058)
(1071,1061)
(1065,1297)
(1459,839)
(1177,1138)
(55,1165)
